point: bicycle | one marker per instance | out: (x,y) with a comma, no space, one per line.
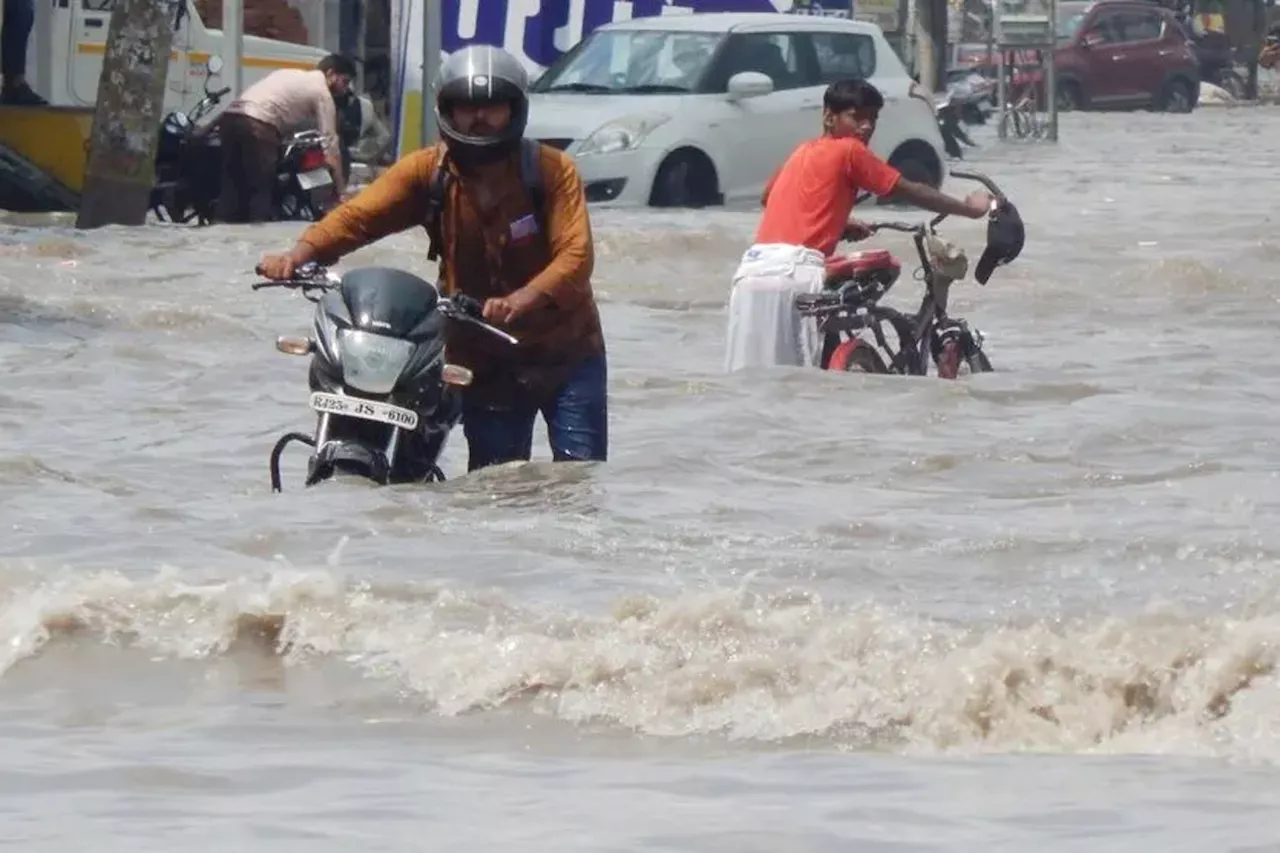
(1024,116)
(855,284)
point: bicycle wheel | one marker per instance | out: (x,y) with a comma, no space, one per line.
(955,354)
(1010,124)
(1040,124)
(979,363)
(855,356)
(1030,122)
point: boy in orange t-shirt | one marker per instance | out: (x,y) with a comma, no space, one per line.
(807,205)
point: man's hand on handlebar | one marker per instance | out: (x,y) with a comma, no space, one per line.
(980,203)
(855,231)
(975,205)
(277,267)
(504,309)
(285,267)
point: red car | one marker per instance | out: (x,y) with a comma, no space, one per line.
(1127,54)
(1112,54)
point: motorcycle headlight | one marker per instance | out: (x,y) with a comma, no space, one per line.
(372,363)
(621,135)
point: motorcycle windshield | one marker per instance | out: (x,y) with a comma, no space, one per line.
(392,302)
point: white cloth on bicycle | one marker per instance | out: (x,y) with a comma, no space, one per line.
(765,328)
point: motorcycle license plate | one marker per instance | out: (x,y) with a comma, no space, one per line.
(367,410)
(315,178)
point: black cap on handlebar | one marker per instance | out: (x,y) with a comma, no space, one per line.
(1005,236)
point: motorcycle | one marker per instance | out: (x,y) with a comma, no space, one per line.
(189,167)
(974,95)
(385,399)
(1218,60)
(189,161)
(962,102)
(304,186)
(855,283)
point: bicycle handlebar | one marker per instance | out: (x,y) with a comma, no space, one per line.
(905,227)
(985,180)
(923,228)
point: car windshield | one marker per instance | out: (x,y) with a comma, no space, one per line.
(634,61)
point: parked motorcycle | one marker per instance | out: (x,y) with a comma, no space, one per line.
(304,185)
(854,285)
(1218,60)
(966,100)
(975,95)
(189,160)
(189,167)
(386,400)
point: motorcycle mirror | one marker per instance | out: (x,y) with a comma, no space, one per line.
(214,64)
(294,346)
(457,375)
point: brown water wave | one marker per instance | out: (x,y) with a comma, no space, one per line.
(750,667)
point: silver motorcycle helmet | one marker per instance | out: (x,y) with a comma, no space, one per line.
(477,75)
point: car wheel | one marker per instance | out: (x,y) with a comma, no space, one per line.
(685,179)
(912,169)
(1177,97)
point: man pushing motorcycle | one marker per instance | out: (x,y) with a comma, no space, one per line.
(807,207)
(512,219)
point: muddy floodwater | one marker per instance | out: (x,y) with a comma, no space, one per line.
(795,611)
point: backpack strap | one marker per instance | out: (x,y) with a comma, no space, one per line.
(438,193)
(531,175)
(437,198)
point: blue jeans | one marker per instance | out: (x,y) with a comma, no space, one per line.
(577,417)
(19,18)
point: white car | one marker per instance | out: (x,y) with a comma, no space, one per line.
(701,109)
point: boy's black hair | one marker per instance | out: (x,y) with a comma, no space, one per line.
(339,63)
(852,95)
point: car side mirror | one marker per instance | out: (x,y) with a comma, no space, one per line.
(1091,39)
(749,84)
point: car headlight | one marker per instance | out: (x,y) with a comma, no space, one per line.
(372,363)
(623,134)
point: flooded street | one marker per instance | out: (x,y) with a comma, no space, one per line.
(795,611)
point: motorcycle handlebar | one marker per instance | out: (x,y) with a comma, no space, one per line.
(306,276)
(459,307)
(220,94)
(468,305)
(468,309)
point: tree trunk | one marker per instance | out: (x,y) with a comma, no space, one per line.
(126,123)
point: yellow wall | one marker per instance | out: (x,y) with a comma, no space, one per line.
(411,121)
(54,138)
(199,57)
